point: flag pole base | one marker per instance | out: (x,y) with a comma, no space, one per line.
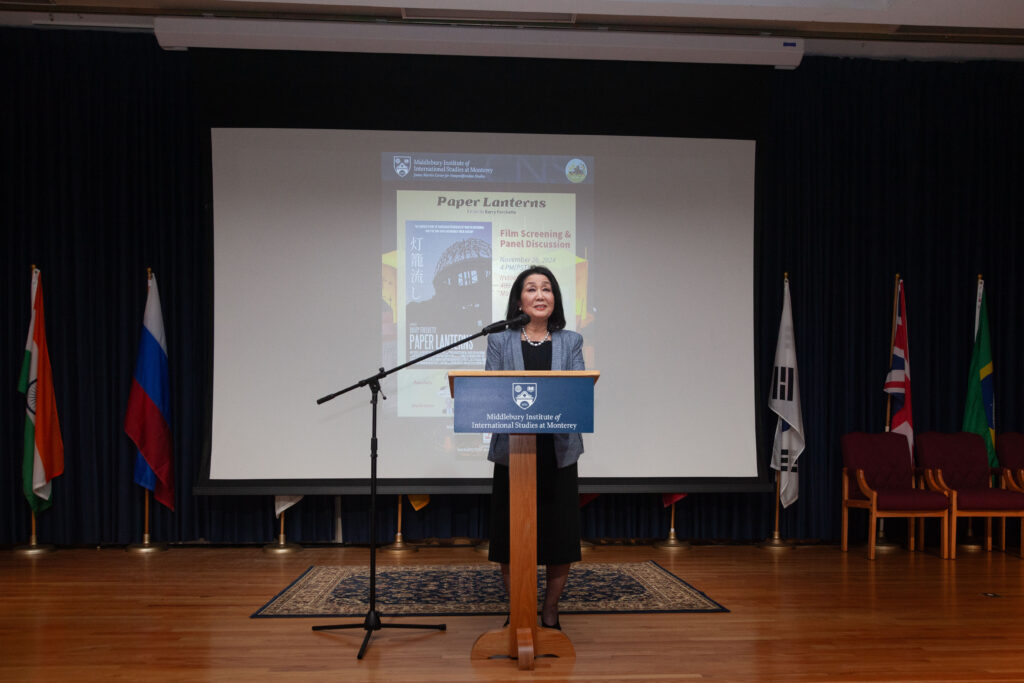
(672,542)
(969,547)
(775,543)
(586,546)
(883,544)
(145,547)
(483,547)
(969,543)
(282,547)
(33,549)
(400,546)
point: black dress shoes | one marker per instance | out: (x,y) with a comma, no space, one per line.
(557,626)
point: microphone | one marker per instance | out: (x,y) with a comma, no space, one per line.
(520,320)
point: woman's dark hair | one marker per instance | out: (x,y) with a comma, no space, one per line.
(557,319)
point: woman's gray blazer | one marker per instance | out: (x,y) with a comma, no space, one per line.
(505,352)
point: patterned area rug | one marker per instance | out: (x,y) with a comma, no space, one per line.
(464,589)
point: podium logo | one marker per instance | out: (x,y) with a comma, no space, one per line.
(524,394)
(403,164)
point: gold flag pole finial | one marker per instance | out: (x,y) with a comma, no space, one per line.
(785,275)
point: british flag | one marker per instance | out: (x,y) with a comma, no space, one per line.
(897,382)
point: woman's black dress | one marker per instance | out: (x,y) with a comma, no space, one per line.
(558,511)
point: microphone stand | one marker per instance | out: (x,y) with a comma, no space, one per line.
(372,620)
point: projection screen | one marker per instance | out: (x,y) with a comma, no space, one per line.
(338,252)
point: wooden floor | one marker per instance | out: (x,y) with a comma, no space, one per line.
(810,613)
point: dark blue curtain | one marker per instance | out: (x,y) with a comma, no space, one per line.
(873,168)
(865,169)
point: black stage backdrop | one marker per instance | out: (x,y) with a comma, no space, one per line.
(865,169)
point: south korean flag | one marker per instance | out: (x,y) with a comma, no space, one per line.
(784,401)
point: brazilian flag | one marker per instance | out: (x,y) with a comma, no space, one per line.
(979,413)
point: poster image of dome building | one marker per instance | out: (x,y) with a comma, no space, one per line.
(447,290)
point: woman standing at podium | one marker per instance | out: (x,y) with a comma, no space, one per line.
(541,344)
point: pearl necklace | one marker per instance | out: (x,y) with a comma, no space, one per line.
(536,343)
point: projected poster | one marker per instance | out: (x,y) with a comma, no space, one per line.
(459,248)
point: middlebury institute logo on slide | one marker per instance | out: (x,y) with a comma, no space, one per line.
(524,394)
(403,164)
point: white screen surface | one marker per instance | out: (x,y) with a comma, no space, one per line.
(315,277)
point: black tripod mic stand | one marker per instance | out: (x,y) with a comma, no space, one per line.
(372,622)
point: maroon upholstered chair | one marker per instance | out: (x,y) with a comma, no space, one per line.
(878,476)
(957,465)
(1010,451)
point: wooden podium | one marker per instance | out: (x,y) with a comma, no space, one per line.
(501,402)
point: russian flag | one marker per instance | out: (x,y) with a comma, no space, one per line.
(148,418)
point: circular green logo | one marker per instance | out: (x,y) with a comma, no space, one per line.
(576,171)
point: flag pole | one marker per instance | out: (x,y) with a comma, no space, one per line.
(892,343)
(34,548)
(776,542)
(283,546)
(400,546)
(146,546)
(672,542)
(881,542)
(339,537)
(977,306)
(972,544)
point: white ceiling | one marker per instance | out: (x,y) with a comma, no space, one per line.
(932,13)
(921,29)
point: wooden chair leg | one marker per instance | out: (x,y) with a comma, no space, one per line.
(1002,533)
(920,533)
(911,535)
(944,547)
(846,530)
(952,538)
(988,534)
(872,530)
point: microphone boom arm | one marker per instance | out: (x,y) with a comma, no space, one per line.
(382,373)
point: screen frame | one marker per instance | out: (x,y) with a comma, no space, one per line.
(233,86)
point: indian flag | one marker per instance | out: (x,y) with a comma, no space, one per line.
(44,448)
